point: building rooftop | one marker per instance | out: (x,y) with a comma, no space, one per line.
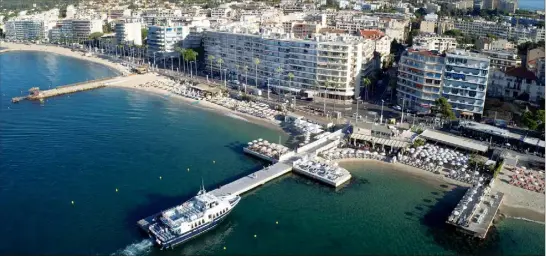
(371,33)
(454,141)
(520,72)
(425,52)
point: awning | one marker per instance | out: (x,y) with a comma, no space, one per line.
(454,141)
(382,141)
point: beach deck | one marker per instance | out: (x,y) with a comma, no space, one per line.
(480,216)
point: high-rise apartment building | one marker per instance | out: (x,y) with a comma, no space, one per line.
(459,76)
(25,30)
(163,40)
(74,30)
(327,65)
(128,32)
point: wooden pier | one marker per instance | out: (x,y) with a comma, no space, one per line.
(36,94)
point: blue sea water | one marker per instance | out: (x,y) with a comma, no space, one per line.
(84,146)
(531,5)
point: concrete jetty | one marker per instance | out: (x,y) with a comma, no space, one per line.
(253,180)
(36,94)
(283,164)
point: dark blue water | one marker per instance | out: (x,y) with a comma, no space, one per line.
(84,146)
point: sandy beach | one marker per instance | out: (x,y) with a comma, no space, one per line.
(9,47)
(518,203)
(415,172)
(133,82)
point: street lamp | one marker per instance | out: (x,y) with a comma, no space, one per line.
(356,119)
(381,117)
(403,103)
(267,88)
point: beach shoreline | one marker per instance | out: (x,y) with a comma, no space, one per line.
(203,104)
(508,208)
(14,47)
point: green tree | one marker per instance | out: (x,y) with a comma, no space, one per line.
(366,82)
(539,116)
(443,107)
(418,142)
(191,56)
(95,35)
(453,33)
(211,58)
(528,119)
(256,63)
(144,34)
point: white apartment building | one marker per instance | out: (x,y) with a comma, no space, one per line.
(502,30)
(25,30)
(74,30)
(485,43)
(465,81)
(503,59)
(118,13)
(128,33)
(70,12)
(219,12)
(434,43)
(514,82)
(459,76)
(162,40)
(325,66)
(419,79)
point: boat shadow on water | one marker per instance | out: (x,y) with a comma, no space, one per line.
(433,214)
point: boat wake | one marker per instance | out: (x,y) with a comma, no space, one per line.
(143,247)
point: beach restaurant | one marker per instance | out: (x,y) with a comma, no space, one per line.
(454,141)
(494,135)
(206,90)
(371,134)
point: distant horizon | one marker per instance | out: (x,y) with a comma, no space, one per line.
(531,5)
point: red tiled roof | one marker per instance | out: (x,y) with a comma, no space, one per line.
(371,33)
(520,72)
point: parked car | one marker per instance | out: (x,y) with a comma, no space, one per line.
(397,107)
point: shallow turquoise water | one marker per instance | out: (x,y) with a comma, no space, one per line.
(81,148)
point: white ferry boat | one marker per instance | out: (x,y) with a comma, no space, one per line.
(190,219)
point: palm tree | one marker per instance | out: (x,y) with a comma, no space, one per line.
(367,83)
(256,62)
(246,76)
(392,84)
(220,61)
(290,77)
(211,58)
(237,66)
(191,56)
(279,72)
(181,52)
